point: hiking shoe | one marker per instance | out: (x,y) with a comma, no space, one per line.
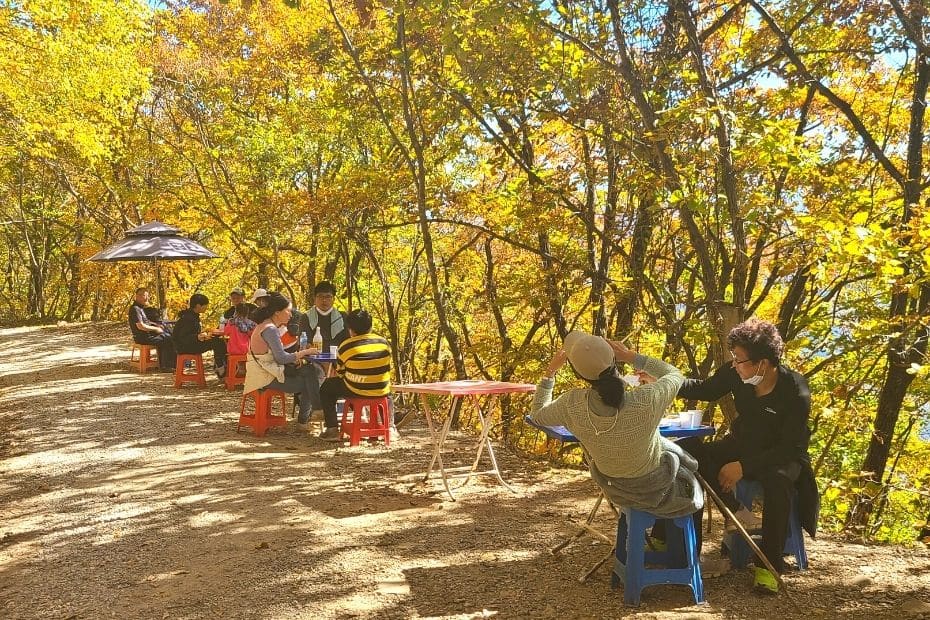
(331,434)
(714,567)
(764,581)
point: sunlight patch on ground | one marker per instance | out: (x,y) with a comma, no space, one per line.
(65,386)
(74,454)
(210,518)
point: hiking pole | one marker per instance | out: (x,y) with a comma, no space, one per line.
(739,526)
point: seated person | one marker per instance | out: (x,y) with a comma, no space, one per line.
(766,442)
(268,365)
(239,331)
(324,316)
(236,297)
(363,369)
(147,331)
(189,336)
(259,300)
(619,430)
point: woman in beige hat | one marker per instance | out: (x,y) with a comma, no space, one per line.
(619,428)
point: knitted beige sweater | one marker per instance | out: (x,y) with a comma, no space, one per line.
(631,447)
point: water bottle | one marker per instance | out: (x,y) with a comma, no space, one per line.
(318,340)
(302,341)
(222,322)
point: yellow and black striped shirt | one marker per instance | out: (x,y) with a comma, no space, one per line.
(365,364)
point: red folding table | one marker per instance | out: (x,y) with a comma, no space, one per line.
(469,391)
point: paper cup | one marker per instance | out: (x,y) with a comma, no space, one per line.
(334,350)
(693,418)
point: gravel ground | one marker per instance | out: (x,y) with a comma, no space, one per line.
(123,497)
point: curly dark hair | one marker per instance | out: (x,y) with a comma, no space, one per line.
(759,338)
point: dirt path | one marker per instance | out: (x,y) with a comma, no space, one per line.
(123,497)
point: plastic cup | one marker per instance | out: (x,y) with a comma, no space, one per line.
(693,417)
(334,350)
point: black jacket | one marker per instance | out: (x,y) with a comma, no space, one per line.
(770,430)
(186,330)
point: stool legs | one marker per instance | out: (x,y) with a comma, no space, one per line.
(739,553)
(180,377)
(147,357)
(262,416)
(680,562)
(377,425)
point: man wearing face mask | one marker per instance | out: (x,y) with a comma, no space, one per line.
(767,441)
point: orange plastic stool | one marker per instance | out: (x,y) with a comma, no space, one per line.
(147,358)
(180,377)
(262,417)
(378,423)
(232,370)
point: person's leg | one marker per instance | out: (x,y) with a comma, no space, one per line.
(711,456)
(218,345)
(778,486)
(315,377)
(331,391)
(293,384)
(165,347)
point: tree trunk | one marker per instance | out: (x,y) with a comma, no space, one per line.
(418,171)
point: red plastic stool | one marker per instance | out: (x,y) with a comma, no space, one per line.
(147,358)
(378,423)
(232,371)
(262,418)
(181,377)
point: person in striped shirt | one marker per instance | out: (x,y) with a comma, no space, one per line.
(363,369)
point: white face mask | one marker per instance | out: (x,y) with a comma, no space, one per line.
(756,379)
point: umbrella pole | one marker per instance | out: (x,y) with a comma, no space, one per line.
(160,292)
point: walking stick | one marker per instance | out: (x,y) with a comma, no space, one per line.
(739,526)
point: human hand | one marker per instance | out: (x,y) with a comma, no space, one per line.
(558,360)
(729,475)
(621,352)
(202,336)
(644,377)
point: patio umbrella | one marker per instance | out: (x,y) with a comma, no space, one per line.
(153,242)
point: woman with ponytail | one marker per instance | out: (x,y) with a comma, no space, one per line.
(619,428)
(268,365)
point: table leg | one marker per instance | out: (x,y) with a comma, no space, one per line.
(486,440)
(438,438)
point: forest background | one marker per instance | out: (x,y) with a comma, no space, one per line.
(485,175)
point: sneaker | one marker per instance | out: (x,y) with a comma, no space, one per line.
(714,567)
(394,434)
(331,434)
(748,519)
(764,581)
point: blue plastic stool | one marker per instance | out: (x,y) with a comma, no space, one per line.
(739,552)
(681,565)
